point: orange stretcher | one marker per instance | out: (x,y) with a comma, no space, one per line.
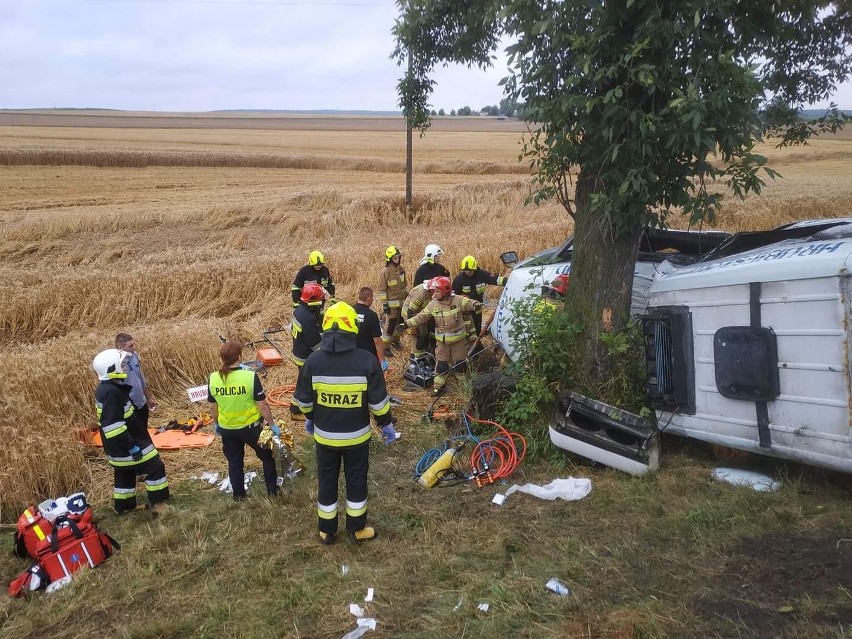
(169,439)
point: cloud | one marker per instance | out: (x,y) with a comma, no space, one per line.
(199,55)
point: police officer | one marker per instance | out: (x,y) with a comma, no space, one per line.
(314,272)
(340,387)
(471,282)
(237,402)
(306,330)
(392,290)
(430,265)
(128,456)
(446,309)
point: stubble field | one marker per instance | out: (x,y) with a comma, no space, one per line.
(180,229)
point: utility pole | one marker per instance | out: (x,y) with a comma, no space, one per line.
(409,152)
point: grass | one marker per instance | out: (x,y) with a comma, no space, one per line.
(178,255)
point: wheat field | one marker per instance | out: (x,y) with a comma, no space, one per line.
(179,235)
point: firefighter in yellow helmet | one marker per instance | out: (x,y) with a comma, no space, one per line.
(341,385)
(314,272)
(451,333)
(392,290)
(471,282)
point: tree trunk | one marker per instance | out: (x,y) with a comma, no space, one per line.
(601,277)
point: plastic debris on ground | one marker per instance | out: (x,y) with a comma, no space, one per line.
(570,489)
(344,570)
(226,487)
(369,596)
(209,476)
(751,479)
(558,587)
(483,607)
(355,610)
(498,499)
(459,604)
(365,625)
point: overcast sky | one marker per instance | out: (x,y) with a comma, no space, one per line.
(201,55)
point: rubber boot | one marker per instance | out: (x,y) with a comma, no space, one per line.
(362,535)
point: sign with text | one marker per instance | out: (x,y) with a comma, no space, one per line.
(197,393)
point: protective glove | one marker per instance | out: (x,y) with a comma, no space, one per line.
(275,430)
(309,426)
(385,309)
(216,429)
(135,453)
(389,434)
(385,365)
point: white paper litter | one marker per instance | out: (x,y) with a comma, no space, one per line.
(751,479)
(483,607)
(208,475)
(570,489)
(355,610)
(558,587)
(365,625)
(225,485)
(344,570)
(369,596)
(498,499)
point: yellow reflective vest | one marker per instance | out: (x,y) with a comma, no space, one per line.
(234,397)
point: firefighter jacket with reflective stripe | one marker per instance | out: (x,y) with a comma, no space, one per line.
(235,398)
(115,412)
(474,286)
(339,388)
(309,275)
(417,298)
(306,331)
(447,313)
(427,270)
(392,285)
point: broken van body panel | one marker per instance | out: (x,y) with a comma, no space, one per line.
(747,336)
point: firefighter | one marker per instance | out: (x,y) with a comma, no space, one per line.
(237,402)
(306,330)
(340,387)
(392,290)
(430,265)
(471,282)
(553,294)
(128,457)
(314,272)
(451,333)
(415,301)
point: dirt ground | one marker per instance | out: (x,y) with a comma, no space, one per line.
(769,584)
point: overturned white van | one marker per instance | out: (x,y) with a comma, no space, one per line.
(747,338)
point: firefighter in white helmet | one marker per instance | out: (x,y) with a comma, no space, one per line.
(430,265)
(129,457)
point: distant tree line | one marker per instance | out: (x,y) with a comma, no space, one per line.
(508,108)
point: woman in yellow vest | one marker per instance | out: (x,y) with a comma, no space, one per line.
(237,402)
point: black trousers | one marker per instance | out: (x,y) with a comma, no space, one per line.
(234,444)
(138,427)
(124,483)
(356,463)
